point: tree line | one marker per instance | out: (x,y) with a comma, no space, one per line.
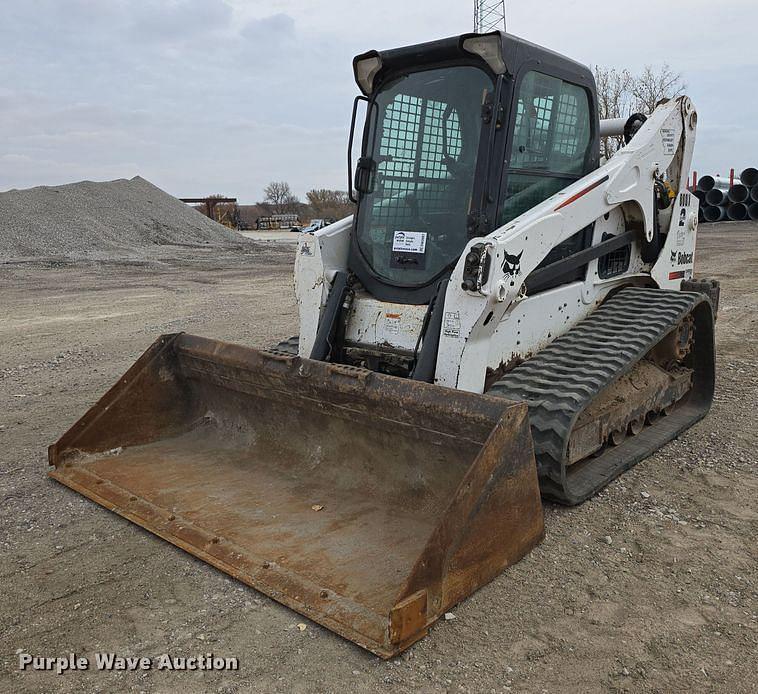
(621,93)
(321,203)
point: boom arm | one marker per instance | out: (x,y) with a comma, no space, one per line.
(662,148)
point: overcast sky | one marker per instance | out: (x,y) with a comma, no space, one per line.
(222,96)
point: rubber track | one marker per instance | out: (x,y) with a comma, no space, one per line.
(565,377)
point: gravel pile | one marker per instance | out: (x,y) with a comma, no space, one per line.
(102,221)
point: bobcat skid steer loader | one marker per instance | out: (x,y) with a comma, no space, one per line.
(505,315)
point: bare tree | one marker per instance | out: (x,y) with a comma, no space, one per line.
(652,86)
(329,204)
(619,94)
(279,195)
(614,99)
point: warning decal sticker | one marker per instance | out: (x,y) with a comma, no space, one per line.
(452,324)
(392,323)
(409,241)
(667,140)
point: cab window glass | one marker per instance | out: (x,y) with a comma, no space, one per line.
(552,128)
(424,141)
(524,191)
(551,142)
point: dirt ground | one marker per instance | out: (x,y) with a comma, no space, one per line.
(650,586)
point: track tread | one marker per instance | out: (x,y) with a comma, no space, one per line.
(563,379)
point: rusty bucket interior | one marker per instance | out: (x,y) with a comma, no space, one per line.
(369,503)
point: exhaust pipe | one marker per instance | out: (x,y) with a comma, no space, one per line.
(716,197)
(738,193)
(749,177)
(752,211)
(612,127)
(737,211)
(626,127)
(714,213)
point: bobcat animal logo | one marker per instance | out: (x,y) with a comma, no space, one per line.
(673,256)
(512,264)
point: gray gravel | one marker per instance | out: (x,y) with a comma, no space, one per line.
(120,219)
(669,605)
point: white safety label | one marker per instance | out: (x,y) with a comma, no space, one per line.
(409,241)
(451,325)
(392,323)
(667,141)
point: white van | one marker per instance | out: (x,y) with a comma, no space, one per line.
(315,225)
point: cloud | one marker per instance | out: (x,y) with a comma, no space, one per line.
(225,95)
(178,20)
(26,170)
(269,29)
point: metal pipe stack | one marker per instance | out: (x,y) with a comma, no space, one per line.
(722,199)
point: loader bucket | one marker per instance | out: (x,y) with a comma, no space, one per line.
(369,503)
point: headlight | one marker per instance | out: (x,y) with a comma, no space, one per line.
(365,68)
(489,47)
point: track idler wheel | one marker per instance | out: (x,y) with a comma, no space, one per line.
(675,347)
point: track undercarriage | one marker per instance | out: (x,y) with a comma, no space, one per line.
(612,390)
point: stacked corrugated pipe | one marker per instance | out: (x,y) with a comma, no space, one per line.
(728,199)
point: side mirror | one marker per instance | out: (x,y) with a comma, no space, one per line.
(364,175)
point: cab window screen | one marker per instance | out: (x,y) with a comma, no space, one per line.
(424,141)
(412,148)
(551,141)
(552,130)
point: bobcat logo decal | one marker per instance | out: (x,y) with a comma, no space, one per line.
(512,264)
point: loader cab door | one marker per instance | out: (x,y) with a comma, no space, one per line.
(552,142)
(422,138)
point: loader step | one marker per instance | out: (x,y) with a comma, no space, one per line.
(288,346)
(560,383)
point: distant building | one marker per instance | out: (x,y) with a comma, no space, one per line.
(277,221)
